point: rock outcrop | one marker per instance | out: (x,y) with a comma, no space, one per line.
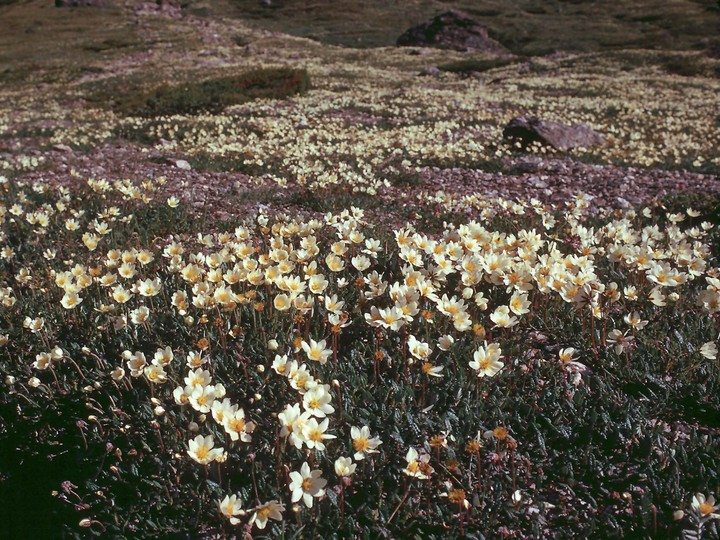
(451,30)
(530,129)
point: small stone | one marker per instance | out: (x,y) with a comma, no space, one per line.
(432,71)
(182,164)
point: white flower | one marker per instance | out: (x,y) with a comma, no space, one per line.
(201,449)
(620,340)
(307,484)
(269,510)
(705,507)
(237,427)
(71,300)
(633,319)
(314,433)
(316,401)
(418,349)
(202,398)
(344,466)
(709,350)
(502,318)
(42,360)
(363,443)
(486,360)
(445,342)
(316,350)
(230,507)
(418,465)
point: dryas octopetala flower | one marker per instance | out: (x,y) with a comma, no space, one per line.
(635,321)
(155,374)
(705,507)
(314,434)
(316,350)
(432,370)
(237,427)
(307,484)
(70,300)
(620,340)
(709,350)
(418,349)
(418,465)
(316,401)
(566,355)
(230,507)
(43,360)
(202,450)
(202,398)
(486,360)
(363,443)
(502,318)
(344,466)
(121,295)
(264,512)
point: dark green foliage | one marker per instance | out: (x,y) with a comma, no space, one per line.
(477,65)
(214,95)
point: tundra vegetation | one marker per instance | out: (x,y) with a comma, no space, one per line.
(312,354)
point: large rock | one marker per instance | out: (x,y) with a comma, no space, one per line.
(530,129)
(451,30)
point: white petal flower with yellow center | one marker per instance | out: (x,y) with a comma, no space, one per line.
(363,443)
(202,450)
(264,512)
(306,485)
(316,401)
(486,360)
(316,350)
(230,507)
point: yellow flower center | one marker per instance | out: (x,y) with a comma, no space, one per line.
(307,484)
(263,513)
(706,508)
(361,444)
(237,424)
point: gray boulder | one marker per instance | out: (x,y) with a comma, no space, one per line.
(451,30)
(530,129)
